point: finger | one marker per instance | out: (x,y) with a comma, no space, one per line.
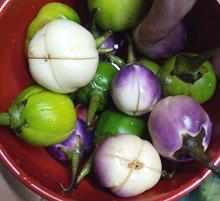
(161,20)
(216,62)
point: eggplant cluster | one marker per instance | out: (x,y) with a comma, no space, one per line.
(131,110)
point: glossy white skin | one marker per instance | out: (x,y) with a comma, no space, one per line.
(63,56)
(111,165)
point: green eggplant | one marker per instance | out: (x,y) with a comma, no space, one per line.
(118,15)
(112,122)
(46,14)
(40,117)
(96,93)
(188,74)
(151,65)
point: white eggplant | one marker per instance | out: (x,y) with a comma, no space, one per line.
(135,90)
(127,165)
(63,56)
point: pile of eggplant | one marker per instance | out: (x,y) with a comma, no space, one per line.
(96,98)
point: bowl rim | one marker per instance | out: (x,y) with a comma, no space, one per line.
(4,4)
(27,180)
(48,194)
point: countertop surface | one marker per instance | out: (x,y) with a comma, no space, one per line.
(13,190)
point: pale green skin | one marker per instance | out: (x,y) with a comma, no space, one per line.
(118,15)
(151,65)
(201,91)
(46,14)
(46,118)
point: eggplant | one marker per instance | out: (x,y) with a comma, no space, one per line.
(181,130)
(73,149)
(127,165)
(135,90)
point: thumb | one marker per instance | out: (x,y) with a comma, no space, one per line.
(216,62)
(162,19)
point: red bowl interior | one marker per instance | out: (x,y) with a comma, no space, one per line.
(34,166)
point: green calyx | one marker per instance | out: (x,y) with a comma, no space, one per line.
(74,155)
(86,168)
(188,68)
(100,40)
(107,52)
(95,102)
(192,146)
(179,78)
(17,107)
(96,93)
(115,60)
(16,121)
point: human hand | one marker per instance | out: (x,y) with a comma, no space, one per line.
(161,32)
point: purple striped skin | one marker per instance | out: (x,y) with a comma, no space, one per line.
(111,42)
(135,90)
(174,116)
(170,45)
(80,130)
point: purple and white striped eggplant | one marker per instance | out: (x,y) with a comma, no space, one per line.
(127,165)
(135,90)
(73,149)
(181,130)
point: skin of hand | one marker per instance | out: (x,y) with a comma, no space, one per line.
(161,20)
(216,62)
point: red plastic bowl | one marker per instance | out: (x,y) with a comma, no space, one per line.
(33,166)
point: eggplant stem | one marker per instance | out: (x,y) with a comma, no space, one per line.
(93,106)
(4,119)
(75,156)
(88,165)
(86,168)
(93,24)
(103,38)
(200,156)
(116,60)
(193,147)
(131,52)
(192,65)
(105,50)
(196,62)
